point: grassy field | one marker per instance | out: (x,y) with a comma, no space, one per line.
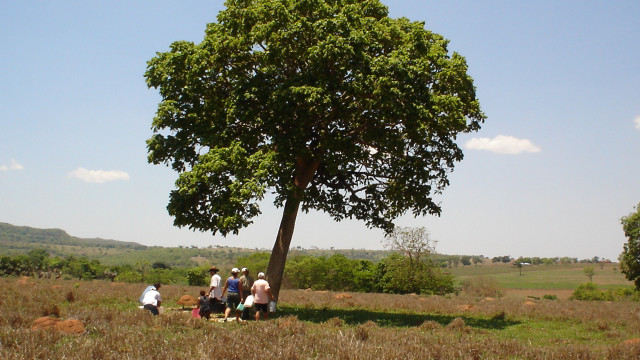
(545,277)
(310,325)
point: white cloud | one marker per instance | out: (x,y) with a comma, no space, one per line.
(637,121)
(502,144)
(13,166)
(98,176)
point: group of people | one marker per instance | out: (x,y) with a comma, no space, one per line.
(237,290)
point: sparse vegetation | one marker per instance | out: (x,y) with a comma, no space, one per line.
(482,286)
(311,324)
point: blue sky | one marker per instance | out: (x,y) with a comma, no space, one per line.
(550,173)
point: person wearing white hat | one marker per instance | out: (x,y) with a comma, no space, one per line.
(261,292)
(234,295)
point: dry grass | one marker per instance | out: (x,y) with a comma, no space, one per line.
(310,325)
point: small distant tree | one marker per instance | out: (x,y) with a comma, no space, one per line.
(465,260)
(630,257)
(519,266)
(412,242)
(589,272)
(415,272)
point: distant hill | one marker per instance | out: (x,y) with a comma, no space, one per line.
(16,240)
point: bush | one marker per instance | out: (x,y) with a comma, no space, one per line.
(197,276)
(589,291)
(625,292)
(129,277)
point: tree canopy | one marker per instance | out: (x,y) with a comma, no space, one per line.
(630,257)
(325,104)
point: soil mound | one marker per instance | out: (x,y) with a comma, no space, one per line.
(52,324)
(187,300)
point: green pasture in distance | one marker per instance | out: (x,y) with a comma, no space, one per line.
(607,276)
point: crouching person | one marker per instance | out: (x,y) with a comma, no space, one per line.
(261,292)
(205,306)
(152,299)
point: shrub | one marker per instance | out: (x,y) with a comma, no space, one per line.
(197,276)
(589,291)
(625,292)
(550,297)
(129,277)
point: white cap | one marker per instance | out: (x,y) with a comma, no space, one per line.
(261,275)
(244,269)
(235,271)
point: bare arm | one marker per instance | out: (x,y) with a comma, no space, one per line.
(268,291)
(226,285)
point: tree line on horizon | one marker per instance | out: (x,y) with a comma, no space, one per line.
(335,272)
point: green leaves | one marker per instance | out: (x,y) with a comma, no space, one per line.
(222,190)
(630,257)
(375,103)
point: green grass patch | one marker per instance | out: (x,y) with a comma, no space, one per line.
(560,333)
(557,277)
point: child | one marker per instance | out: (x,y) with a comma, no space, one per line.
(204,305)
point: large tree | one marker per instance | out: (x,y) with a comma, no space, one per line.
(327,104)
(630,257)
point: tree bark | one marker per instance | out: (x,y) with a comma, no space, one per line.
(305,170)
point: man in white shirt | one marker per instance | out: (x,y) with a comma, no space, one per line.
(215,289)
(152,299)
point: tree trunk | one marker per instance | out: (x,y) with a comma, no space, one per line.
(275,270)
(305,170)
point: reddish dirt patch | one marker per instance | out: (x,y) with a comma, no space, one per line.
(465,307)
(529,303)
(70,326)
(632,341)
(187,300)
(56,286)
(66,326)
